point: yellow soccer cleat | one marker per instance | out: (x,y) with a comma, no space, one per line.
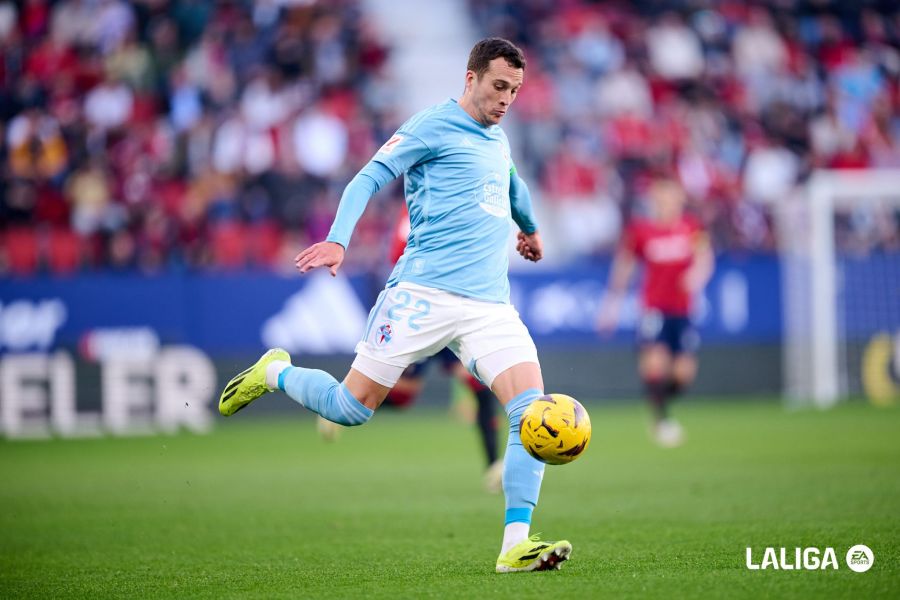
(534,555)
(248,385)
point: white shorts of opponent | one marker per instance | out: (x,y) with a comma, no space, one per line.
(410,322)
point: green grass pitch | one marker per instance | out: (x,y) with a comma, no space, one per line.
(265,509)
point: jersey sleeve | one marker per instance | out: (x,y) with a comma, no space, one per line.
(520,202)
(519,194)
(403,151)
(394,158)
(356,196)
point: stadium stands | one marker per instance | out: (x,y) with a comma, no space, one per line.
(195,134)
(149,129)
(740,99)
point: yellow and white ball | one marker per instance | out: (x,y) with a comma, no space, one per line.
(555,429)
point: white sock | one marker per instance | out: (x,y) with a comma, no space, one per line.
(514,533)
(273,370)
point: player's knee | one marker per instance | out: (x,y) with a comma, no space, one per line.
(654,365)
(347,409)
(352,420)
(684,369)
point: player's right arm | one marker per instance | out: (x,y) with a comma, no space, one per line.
(528,244)
(397,155)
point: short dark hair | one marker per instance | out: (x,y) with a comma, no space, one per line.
(494,47)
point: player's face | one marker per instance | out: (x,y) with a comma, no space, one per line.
(668,200)
(494,91)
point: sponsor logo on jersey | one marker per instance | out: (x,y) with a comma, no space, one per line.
(670,248)
(493,197)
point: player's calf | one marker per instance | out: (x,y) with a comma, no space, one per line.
(321,393)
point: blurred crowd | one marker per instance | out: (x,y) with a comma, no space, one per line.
(155,134)
(741,100)
(159,134)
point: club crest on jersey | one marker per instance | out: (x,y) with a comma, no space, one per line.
(384,335)
(390,145)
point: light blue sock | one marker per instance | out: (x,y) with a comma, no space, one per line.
(321,393)
(522,473)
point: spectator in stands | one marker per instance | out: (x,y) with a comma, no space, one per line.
(674,49)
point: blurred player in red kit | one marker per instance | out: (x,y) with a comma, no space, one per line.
(678,262)
(411,382)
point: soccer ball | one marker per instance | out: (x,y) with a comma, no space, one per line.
(555,429)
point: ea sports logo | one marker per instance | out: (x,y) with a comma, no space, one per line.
(860,558)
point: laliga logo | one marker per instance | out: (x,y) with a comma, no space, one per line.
(860,559)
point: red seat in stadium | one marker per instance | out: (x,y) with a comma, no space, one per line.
(64,251)
(21,247)
(229,245)
(265,240)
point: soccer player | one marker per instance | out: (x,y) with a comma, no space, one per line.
(678,262)
(451,286)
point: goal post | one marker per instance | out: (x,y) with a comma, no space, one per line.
(817,358)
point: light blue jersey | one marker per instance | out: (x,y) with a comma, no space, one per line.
(461,189)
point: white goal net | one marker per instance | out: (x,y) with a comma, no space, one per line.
(840,270)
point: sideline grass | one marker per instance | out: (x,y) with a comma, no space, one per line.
(264,509)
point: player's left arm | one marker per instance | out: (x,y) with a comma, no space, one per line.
(330,253)
(701,269)
(529,243)
(397,155)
